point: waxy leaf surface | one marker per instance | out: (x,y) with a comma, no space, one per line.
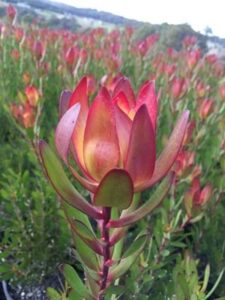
(170,152)
(61,183)
(141,150)
(65,130)
(115,190)
(101,147)
(75,282)
(146,208)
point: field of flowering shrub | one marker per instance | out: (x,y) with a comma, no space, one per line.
(112,166)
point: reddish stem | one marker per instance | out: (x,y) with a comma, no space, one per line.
(106,251)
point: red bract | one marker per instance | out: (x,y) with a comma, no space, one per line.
(211,58)
(222,91)
(117,132)
(184,162)
(196,197)
(38,50)
(18,33)
(178,87)
(71,56)
(189,132)
(205,108)
(189,41)
(11,13)
(201,89)
(169,69)
(15,54)
(32,95)
(24,114)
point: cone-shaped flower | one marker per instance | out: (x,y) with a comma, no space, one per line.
(115,132)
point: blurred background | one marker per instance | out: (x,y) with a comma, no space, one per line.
(47,47)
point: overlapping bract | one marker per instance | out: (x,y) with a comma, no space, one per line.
(116,132)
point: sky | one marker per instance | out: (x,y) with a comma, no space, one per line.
(198,13)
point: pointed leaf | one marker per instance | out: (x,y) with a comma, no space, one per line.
(123,127)
(146,208)
(86,235)
(135,245)
(147,95)
(79,94)
(85,254)
(53,294)
(101,148)
(118,233)
(88,184)
(206,278)
(121,102)
(92,284)
(126,262)
(64,102)
(65,130)
(75,282)
(141,154)
(115,190)
(115,290)
(61,183)
(73,295)
(169,154)
(124,86)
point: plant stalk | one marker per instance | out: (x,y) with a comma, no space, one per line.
(106,251)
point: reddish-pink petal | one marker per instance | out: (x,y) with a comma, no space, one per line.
(121,101)
(88,184)
(64,102)
(169,154)
(65,130)
(123,127)
(80,94)
(101,147)
(147,95)
(141,154)
(124,86)
(78,139)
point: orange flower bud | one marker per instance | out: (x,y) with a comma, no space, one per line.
(32,95)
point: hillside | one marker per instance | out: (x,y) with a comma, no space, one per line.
(60,8)
(62,16)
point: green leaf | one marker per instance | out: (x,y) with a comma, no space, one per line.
(115,190)
(61,183)
(135,246)
(215,284)
(73,295)
(206,278)
(115,290)
(127,261)
(75,282)
(74,213)
(86,255)
(92,284)
(53,294)
(86,235)
(178,244)
(146,208)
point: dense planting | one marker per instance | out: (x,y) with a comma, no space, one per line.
(150,148)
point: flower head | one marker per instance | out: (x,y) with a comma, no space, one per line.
(116,132)
(196,198)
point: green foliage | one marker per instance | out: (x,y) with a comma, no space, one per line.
(34,235)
